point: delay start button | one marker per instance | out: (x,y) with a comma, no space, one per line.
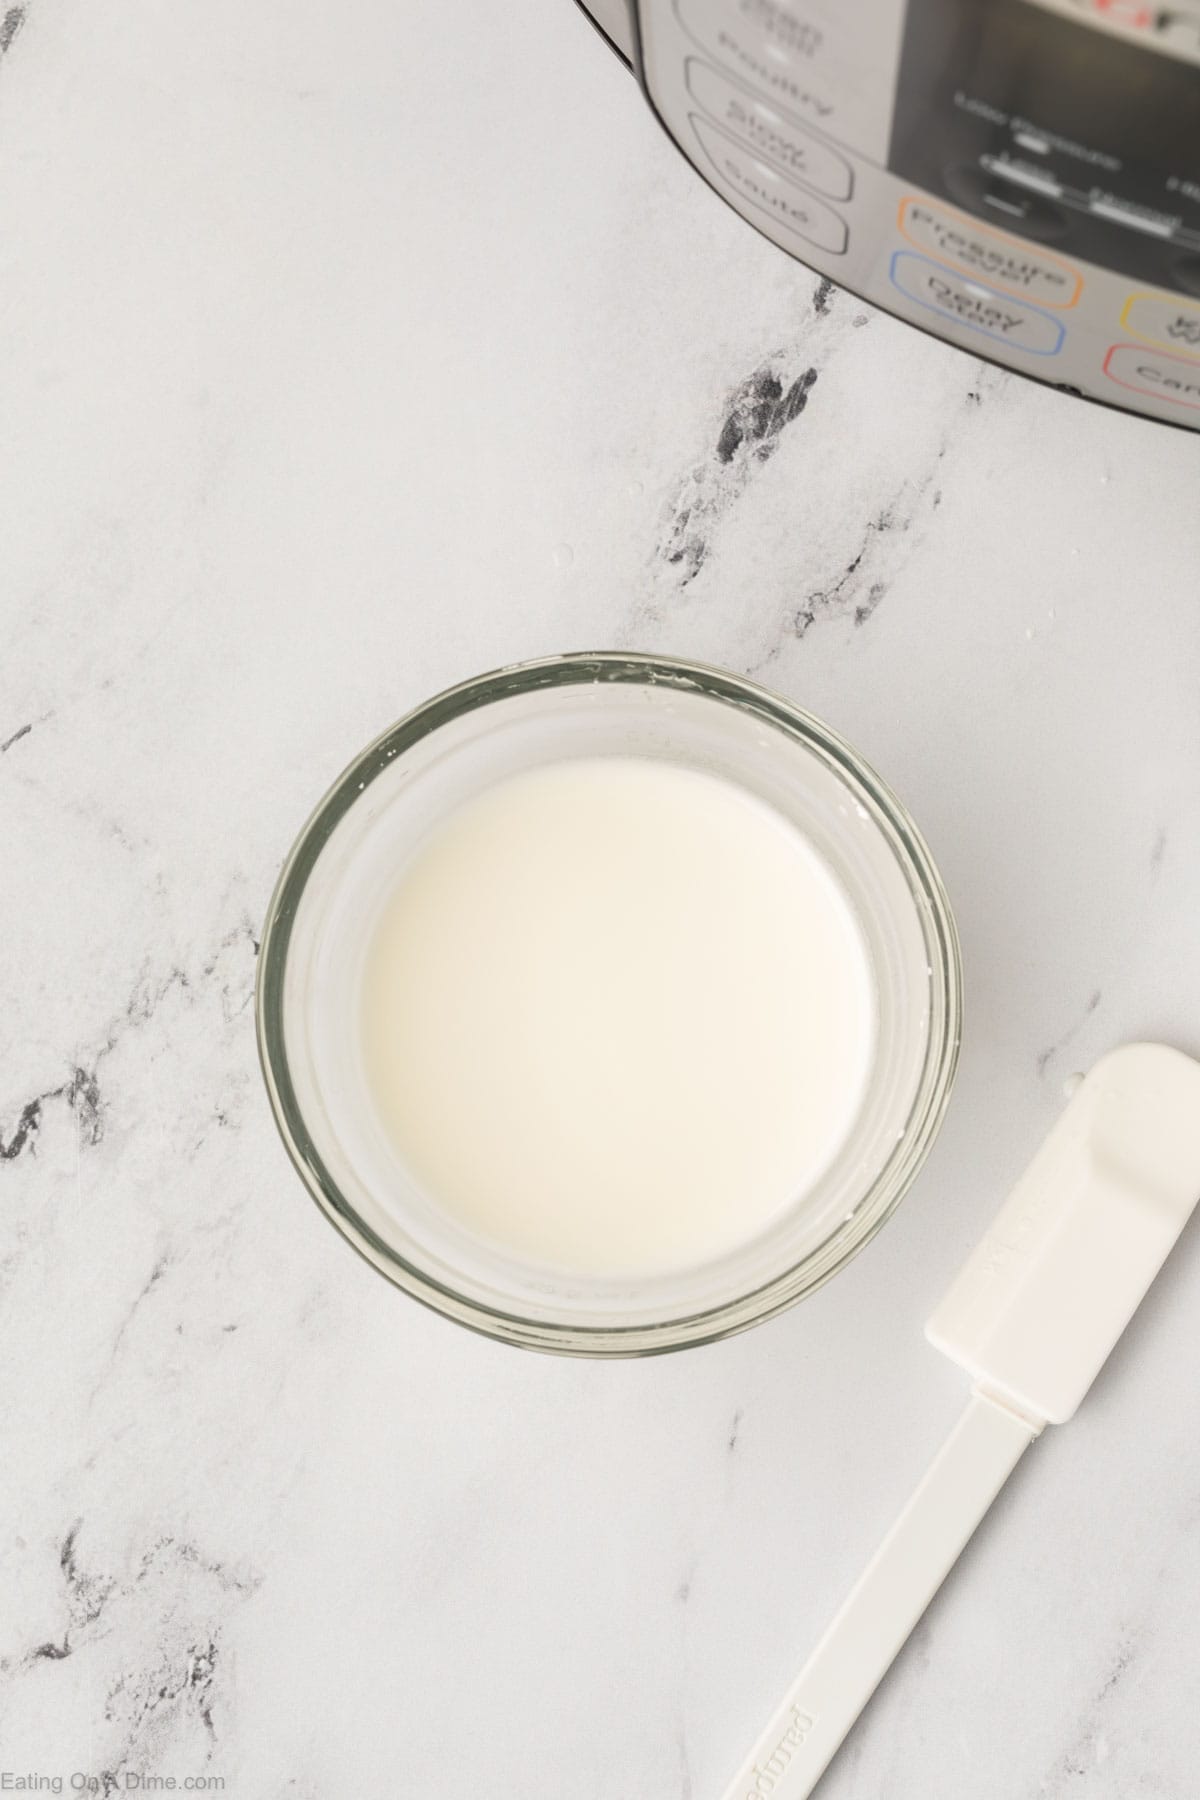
(979,308)
(1005,262)
(1168,378)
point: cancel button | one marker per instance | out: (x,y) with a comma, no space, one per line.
(1167,377)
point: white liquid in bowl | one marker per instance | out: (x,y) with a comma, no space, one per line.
(617,1015)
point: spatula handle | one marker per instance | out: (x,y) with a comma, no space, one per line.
(891,1594)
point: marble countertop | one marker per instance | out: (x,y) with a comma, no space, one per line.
(343,358)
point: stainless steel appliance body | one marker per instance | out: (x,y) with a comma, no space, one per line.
(1019,177)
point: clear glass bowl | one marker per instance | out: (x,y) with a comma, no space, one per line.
(349,854)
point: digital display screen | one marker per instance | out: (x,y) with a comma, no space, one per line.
(1056,131)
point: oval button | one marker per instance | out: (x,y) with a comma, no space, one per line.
(982,309)
(1171,324)
(1149,372)
(771,133)
(1006,263)
(761,186)
(768,59)
(810,56)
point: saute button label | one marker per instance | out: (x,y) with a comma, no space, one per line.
(770,132)
(1005,263)
(764,187)
(1146,371)
(1163,320)
(979,308)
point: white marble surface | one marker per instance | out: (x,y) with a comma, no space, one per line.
(344,354)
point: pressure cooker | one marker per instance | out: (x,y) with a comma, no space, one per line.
(1018,177)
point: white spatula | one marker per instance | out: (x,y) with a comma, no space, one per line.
(1032,1318)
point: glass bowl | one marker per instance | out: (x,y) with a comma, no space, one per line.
(382,808)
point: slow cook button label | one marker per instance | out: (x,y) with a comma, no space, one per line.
(1148,372)
(781,140)
(762,186)
(1005,263)
(790,59)
(979,308)
(819,58)
(1159,319)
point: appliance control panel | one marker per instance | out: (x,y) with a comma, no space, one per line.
(1021,177)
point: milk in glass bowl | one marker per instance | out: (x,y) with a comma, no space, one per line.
(608,1005)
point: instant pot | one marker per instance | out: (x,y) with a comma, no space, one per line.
(1019,177)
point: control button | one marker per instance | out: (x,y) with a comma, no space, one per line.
(763,51)
(807,56)
(1171,324)
(760,185)
(1012,322)
(1004,262)
(1149,372)
(764,129)
(1017,208)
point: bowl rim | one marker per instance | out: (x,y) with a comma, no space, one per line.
(879,1201)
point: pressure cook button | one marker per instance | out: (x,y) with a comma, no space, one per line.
(979,308)
(1171,324)
(780,139)
(761,186)
(1006,263)
(1149,372)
